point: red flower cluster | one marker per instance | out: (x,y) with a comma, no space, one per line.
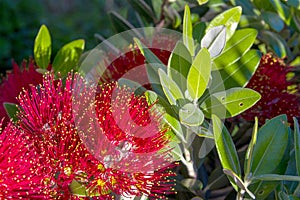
(12,85)
(66,158)
(19,165)
(270,80)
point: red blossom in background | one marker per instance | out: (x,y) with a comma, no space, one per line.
(19,168)
(11,86)
(49,116)
(270,80)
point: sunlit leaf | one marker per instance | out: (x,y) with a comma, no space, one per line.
(236,47)
(198,76)
(175,125)
(226,149)
(237,74)
(68,56)
(42,48)
(191,115)
(214,40)
(170,88)
(179,64)
(188,30)
(229,18)
(230,103)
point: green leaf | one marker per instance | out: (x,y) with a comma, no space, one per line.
(68,56)
(147,53)
(282,10)
(236,47)
(151,97)
(226,149)
(191,115)
(188,30)
(176,151)
(42,48)
(276,177)
(276,43)
(175,125)
(170,88)
(249,153)
(297,144)
(237,74)
(229,18)
(214,40)
(179,64)
(153,63)
(201,2)
(272,140)
(199,31)
(273,20)
(78,189)
(11,110)
(199,73)
(230,103)
(143,9)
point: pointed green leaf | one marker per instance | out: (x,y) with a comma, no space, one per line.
(276,177)
(233,101)
(199,73)
(11,110)
(188,30)
(191,115)
(214,40)
(272,140)
(229,18)
(249,153)
(67,57)
(226,149)
(175,125)
(297,144)
(179,64)
(236,47)
(170,88)
(42,48)
(237,74)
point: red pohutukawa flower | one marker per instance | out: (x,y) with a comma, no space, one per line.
(130,62)
(11,86)
(61,120)
(19,168)
(270,80)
